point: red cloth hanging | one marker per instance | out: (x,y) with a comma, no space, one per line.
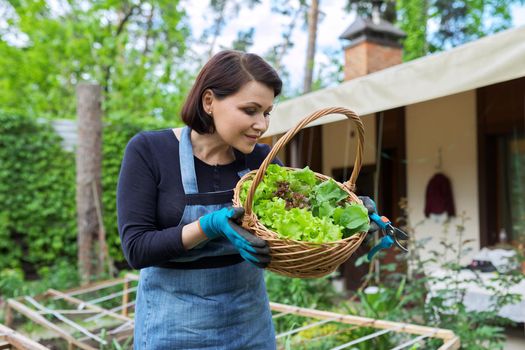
(439,198)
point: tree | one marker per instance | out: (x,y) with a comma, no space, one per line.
(414,19)
(279,51)
(463,21)
(133,48)
(364,8)
(295,11)
(244,40)
(297,158)
(457,22)
(313,17)
(224,10)
(88,165)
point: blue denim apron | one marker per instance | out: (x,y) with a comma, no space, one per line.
(214,308)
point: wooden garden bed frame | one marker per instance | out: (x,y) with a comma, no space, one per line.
(72,332)
(124,328)
(12,340)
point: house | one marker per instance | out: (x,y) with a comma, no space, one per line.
(460,113)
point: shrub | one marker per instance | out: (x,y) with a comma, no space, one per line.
(37,190)
(37,195)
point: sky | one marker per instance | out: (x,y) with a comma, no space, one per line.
(268,28)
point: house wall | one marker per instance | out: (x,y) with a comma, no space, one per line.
(448,123)
(339,150)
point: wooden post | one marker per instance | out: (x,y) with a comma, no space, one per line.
(88,164)
(103,251)
(125,298)
(8,316)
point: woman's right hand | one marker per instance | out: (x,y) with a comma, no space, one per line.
(222,223)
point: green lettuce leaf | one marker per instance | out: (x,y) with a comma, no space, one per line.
(326,221)
(353,217)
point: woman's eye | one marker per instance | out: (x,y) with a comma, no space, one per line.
(252,112)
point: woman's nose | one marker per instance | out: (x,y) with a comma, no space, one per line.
(261,123)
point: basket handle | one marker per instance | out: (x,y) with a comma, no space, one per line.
(350,184)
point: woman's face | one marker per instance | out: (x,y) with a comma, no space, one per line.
(242,118)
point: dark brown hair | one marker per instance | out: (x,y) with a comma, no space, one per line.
(224,74)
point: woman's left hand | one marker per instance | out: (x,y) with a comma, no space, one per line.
(370,205)
(223,223)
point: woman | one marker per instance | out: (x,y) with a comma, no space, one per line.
(201,283)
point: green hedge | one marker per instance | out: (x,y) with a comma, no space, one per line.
(37,194)
(37,190)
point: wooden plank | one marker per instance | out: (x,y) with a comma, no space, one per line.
(110,296)
(365,338)
(411,342)
(444,334)
(300,329)
(87,304)
(17,340)
(94,287)
(35,317)
(69,312)
(66,320)
(132,276)
(451,344)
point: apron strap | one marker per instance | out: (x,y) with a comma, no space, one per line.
(243,172)
(187,164)
(243,167)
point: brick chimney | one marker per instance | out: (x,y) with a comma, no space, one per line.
(374,45)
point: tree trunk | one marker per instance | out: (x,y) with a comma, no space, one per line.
(313,16)
(287,37)
(296,159)
(88,164)
(217,27)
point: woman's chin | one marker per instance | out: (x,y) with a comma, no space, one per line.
(246,149)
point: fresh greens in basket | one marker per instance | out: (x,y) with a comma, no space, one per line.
(298,206)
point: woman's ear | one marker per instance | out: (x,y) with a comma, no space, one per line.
(207,102)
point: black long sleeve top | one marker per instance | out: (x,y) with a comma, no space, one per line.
(150,195)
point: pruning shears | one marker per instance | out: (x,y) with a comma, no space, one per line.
(391,234)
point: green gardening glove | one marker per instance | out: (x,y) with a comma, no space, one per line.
(222,223)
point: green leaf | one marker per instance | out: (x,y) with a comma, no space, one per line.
(329,191)
(353,217)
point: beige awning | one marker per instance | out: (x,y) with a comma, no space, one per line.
(493,59)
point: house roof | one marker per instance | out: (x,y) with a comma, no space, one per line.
(489,60)
(67,129)
(368,28)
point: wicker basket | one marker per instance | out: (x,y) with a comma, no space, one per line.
(298,258)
